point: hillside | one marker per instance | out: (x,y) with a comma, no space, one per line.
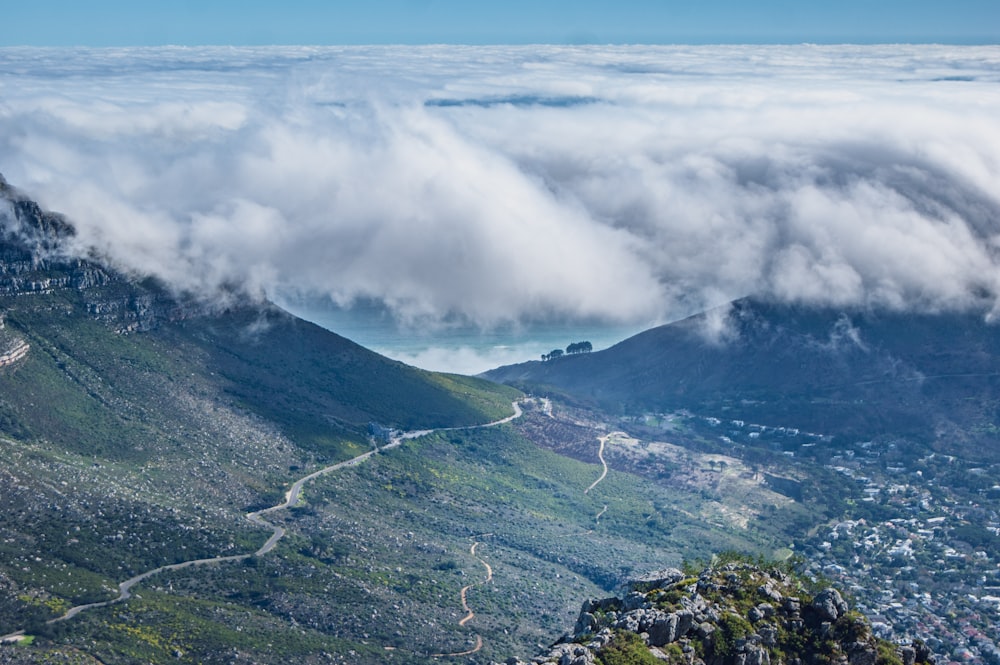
(128,412)
(192,481)
(103,344)
(857,374)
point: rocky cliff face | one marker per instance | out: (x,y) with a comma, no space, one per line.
(37,257)
(734,614)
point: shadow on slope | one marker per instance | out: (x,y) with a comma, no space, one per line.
(856,374)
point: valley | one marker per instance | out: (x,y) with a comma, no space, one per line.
(398,569)
(151,439)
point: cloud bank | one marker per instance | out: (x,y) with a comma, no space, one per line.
(503,185)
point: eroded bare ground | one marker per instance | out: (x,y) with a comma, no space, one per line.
(735,492)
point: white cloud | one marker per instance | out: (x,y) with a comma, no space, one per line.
(498,185)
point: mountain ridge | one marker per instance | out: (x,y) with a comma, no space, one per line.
(139,427)
(239,334)
(841,372)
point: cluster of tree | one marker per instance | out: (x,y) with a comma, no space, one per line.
(575,347)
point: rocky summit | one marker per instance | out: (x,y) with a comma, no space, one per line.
(736,613)
(38,257)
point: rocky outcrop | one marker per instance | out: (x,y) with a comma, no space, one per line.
(733,614)
(14,353)
(37,257)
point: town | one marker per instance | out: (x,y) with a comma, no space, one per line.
(916,534)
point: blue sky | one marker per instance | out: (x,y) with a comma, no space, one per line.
(257,22)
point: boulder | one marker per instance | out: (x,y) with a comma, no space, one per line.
(670,628)
(861,653)
(791,605)
(634,601)
(570,654)
(829,605)
(655,580)
(585,623)
(664,630)
(753,655)
(769,591)
(628,622)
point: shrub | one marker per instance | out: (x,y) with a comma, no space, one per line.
(627,649)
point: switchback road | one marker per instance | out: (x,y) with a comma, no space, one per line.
(292,497)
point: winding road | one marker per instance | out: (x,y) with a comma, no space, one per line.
(292,497)
(600,456)
(469,614)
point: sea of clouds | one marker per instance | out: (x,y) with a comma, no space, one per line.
(496,186)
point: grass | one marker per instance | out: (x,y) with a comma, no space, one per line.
(149,448)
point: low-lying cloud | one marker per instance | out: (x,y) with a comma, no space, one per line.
(502,185)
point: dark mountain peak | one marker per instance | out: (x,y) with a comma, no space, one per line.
(25,226)
(852,372)
(321,387)
(39,256)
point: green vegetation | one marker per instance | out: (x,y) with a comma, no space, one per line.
(627,649)
(732,627)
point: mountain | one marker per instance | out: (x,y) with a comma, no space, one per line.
(130,412)
(848,373)
(191,479)
(194,479)
(102,346)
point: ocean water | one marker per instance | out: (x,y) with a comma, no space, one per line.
(462,349)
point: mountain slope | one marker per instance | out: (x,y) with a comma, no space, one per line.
(138,426)
(77,317)
(850,373)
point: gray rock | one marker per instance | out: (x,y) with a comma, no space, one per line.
(768,591)
(669,628)
(634,601)
(664,630)
(571,654)
(909,655)
(600,640)
(829,605)
(792,605)
(685,620)
(861,653)
(647,618)
(629,622)
(585,623)
(604,604)
(656,579)
(695,603)
(705,630)
(768,635)
(753,655)
(659,655)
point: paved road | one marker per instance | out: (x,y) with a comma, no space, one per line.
(291,498)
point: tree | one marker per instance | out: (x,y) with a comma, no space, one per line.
(580,347)
(555,353)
